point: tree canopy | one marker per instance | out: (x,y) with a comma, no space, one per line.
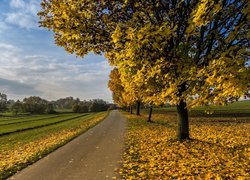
(35,105)
(187,52)
(188,46)
(115,85)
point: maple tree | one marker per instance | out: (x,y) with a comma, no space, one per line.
(115,85)
(132,89)
(122,93)
(189,53)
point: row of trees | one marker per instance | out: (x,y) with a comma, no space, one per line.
(32,105)
(187,53)
(95,105)
(77,105)
(37,105)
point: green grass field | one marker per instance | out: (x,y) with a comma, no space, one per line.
(13,120)
(24,140)
(26,124)
(4,118)
(235,107)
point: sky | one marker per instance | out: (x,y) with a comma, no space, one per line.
(32,65)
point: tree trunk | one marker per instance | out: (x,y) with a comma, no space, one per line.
(150,114)
(138,108)
(131,110)
(183,124)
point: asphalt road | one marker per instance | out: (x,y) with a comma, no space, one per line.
(93,155)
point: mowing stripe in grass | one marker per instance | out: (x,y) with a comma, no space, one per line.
(4,118)
(38,118)
(31,123)
(40,126)
(21,118)
(18,121)
(30,135)
(26,138)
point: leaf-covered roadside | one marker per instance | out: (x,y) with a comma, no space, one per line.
(217,150)
(14,157)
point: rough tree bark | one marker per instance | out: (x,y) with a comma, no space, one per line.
(150,114)
(128,109)
(131,109)
(138,105)
(183,123)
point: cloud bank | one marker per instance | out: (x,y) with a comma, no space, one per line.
(50,77)
(30,63)
(22,14)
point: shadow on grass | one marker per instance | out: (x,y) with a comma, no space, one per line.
(162,123)
(202,113)
(227,149)
(215,145)
(219,114)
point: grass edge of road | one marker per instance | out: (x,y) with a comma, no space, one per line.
(41,154)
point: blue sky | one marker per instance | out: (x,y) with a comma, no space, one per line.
(31,64)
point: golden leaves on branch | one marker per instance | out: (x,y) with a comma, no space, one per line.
(205,11)
(185,37)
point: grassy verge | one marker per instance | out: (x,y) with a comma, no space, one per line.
(220,148)
(18,150)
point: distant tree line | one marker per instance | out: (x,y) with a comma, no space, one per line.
(37,105)
(3,102)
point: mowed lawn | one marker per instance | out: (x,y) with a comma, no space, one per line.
(25,139)
(31,123)
(15,119)
(219,147)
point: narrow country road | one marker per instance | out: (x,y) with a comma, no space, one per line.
(93,155)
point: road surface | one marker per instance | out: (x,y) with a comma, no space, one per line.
(93,155)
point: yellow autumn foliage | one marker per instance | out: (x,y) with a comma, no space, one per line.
(165,51)
(187,53)
(205,11)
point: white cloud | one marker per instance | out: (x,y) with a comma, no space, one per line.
(23,14)
(3,27)
(53,78)
(17,4)
(23,20)
(8,46)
